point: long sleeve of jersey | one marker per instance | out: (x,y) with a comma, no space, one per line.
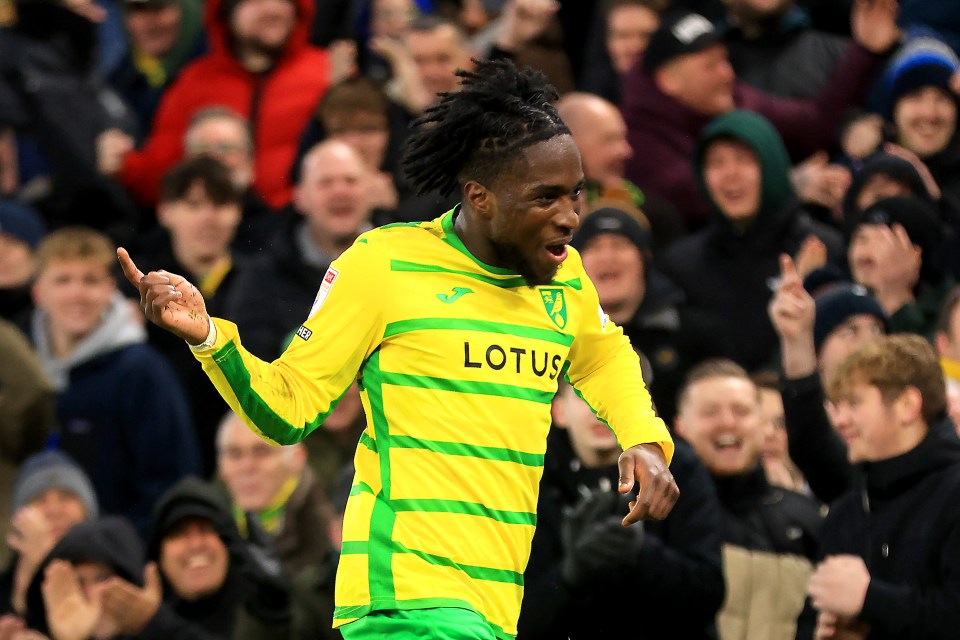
(457,363)
(605,369)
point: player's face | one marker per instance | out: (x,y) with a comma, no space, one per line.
(537,210)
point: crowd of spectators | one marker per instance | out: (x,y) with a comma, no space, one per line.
(771,214)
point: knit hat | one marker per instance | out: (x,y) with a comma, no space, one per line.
(611,220)
(192,498)
(824,278)
(919,220)
(21,222)
(53,470)
(679,33)
(840,303)
(894,168)
(922,62)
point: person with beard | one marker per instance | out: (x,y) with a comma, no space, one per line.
(259,65)
(725,269)
(457,330)
(329,211)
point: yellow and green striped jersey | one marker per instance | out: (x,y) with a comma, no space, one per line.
(457,363)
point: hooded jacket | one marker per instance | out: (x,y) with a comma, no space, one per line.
(278,103)
(110,540)
(904,521)
(663,130)
(221,615)
(727,272)
(123,415)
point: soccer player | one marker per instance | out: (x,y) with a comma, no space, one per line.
(457,330)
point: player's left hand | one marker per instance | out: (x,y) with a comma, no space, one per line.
(645,463)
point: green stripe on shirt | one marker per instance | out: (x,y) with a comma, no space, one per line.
(464,508)
(483,326)
(468,386)
(504,283)
(231,365)
(498,454)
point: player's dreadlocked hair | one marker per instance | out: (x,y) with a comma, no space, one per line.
(473,133)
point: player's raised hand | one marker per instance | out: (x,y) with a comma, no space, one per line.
(169,301)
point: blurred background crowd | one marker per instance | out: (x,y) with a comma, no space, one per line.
(772,185)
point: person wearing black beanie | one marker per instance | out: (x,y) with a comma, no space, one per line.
(895,253)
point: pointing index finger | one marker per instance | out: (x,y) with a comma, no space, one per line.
(130,270)
(788,270)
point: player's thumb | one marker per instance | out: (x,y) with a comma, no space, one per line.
(625,465)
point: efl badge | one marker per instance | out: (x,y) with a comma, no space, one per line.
(556,305)
(328,279)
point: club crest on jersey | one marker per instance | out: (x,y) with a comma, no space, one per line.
(556,305)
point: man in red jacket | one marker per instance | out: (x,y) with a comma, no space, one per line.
(261,66)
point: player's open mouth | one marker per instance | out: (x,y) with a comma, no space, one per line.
(558,252)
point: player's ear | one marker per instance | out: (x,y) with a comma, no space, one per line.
(480,198)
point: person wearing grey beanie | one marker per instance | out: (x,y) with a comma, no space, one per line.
(50,495)
(53,470)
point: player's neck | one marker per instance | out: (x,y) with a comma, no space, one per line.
(467,226)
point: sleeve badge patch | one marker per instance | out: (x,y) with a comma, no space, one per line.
(304,333)
(328,279)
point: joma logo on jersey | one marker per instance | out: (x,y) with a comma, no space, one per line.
(556,305)
(518,359)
